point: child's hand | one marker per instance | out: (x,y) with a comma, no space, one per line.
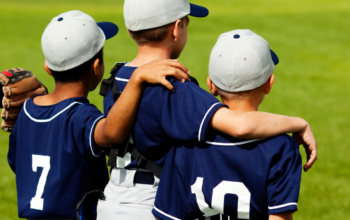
(156,71)
(307,139)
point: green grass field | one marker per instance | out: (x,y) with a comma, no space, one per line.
(312,80)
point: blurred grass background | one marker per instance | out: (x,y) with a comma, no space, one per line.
(311,39)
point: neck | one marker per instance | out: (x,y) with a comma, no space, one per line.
(148,53)
(246,104)
(63,92)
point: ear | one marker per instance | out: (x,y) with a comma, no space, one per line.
(47,69)
(212,87)
(268,84)
(96,67)
(175,31)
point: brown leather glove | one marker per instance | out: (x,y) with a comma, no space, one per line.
(18,85)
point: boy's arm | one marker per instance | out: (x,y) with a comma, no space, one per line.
(282,216)
(120,119)
(253,125)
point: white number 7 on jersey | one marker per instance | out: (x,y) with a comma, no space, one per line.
(40,161)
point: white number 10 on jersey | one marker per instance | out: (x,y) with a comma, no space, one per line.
(40,161)
(218,198)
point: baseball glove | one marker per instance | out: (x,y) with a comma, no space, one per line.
(18,85)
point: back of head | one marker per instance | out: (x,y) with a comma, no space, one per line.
(241,61)
(72,39)
(151,18)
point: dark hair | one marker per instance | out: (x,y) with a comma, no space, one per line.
(74,75)
(153,35)
(239,95)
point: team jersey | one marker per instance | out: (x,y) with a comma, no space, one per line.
(244,179)
(53,155)
(164,118)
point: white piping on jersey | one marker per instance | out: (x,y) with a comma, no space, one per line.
(50,119)
(167,215)
(92,128)
(200,127)
(121,79)
(233,144)
(281,206)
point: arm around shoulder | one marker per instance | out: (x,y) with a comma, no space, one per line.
(251,125)
(255,125)
(120,119)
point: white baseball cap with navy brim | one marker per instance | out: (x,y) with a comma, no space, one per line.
(72,38)
(240,61)
(148,14)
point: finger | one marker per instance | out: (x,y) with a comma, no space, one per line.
(178,74)
(307,151)
(297,138)
(178,65)
(311,159)
(182,74)
(167,84)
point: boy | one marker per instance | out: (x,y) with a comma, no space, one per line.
(57,142)
(159,27)
(244,179)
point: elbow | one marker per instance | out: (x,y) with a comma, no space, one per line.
(115,139)
(120,139)
(243,132)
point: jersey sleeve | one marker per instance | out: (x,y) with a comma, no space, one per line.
(284,180)
(84,128)
(186,112)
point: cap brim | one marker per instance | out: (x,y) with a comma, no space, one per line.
(274,58)
(109,29)
(198,11)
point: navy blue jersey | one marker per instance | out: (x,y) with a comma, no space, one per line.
(53,155)
(164,118)
(244,179)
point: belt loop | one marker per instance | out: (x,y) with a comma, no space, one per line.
(156,182)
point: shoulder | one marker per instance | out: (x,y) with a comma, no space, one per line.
(82,109)
(184,92)
(66,109)
(282,143)
(189,89)
(283,139)
(83,104)
(78,108)
(185,85)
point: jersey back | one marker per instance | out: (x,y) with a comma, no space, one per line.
(164,118)
(53,155)
(239,178)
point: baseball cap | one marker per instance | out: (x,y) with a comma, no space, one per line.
(240,61)
(72,38)
(147,14)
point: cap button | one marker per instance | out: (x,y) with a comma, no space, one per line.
(60,19)
(236,36)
